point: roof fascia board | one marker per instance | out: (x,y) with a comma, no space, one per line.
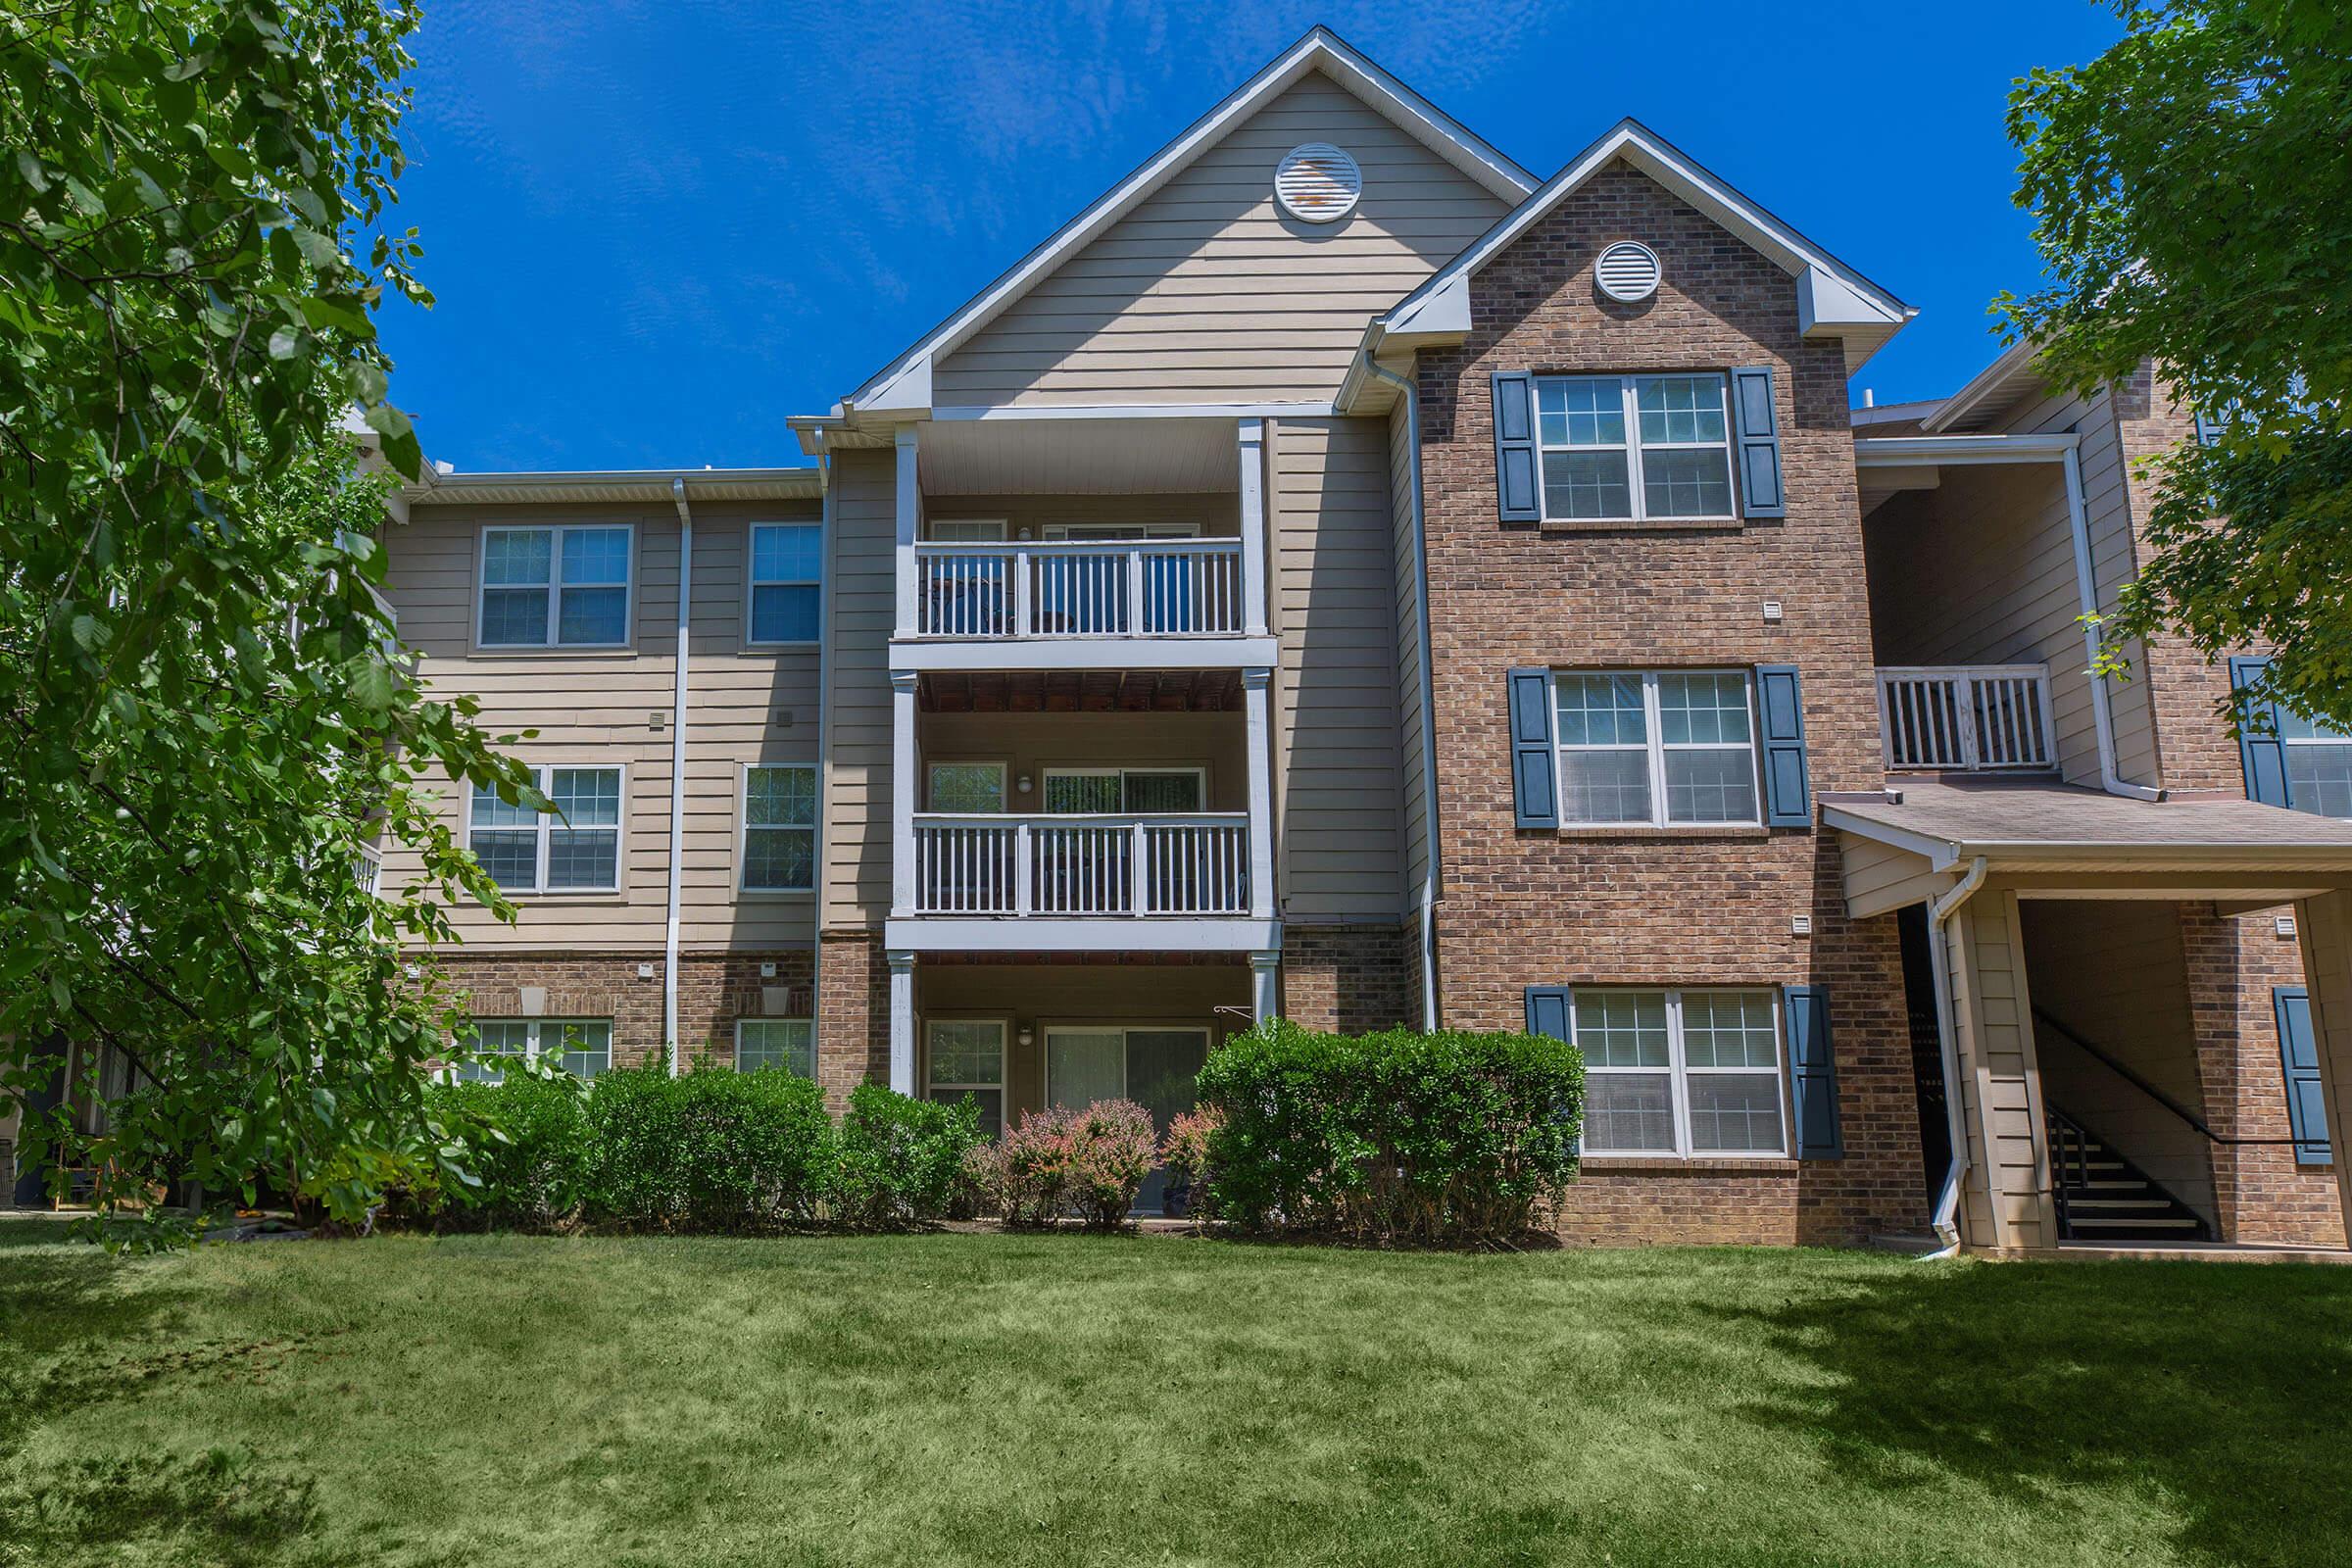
(1905,451)
(458,487)
(2018,357)
(1318,48)
(964,413)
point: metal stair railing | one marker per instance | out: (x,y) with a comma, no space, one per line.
(2195,1122)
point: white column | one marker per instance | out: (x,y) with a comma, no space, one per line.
(1253,526)
(1262,793)
(910,495)
(1264,1000)
(904,782)
(902,1021)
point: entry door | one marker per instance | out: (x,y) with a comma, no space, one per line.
(1153,1067)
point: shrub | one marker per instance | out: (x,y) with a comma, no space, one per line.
(898,1161)
(1185,1152)
(716,1149)
(1026,1173)
(1089,1162)
(1391,1137)
(1112,1151)
(526,1146)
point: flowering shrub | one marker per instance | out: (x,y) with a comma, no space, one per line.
(897,1161)
(1090,1162)
(1391,1137)
(1112,1151)
(1185,1152)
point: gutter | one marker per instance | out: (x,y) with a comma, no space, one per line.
(1429,708)
(1947,1200)
(677,776)
(2087,596)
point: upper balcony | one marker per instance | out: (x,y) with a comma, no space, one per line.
(1044,544)
(1967,719)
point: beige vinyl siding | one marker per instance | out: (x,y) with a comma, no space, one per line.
(1411,679)
(1208,293)
(2007,1192)
(1879,877)
(2116,974)
(862,607)
(1339,776)
(1028,744)
(594,707)
(744,706)
(1217,515)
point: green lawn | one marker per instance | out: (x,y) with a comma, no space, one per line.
(1064,1400)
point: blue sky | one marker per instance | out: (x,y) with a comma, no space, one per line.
(657,229)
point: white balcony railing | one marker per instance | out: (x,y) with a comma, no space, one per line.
(1161,588)
(993,864)
(369,870)
(1967,717)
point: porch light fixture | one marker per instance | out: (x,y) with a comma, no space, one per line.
(1026,1036)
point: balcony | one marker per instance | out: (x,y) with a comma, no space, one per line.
(1172,588)
(1094,866)
(1967,719)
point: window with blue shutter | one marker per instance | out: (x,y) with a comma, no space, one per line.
(1759,431)
(2259,746)
(1812,1073)
(1548,1012)
(1534,797)
(1781,704)
(1516,496)
(2299,1054)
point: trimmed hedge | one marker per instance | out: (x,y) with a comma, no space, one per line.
(898,1161)
(1446,1138)
(531,1154)
(714,1149)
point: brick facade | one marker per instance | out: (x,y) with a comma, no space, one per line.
(1351,978)
(1649,907)
(713,991)
(852,1013)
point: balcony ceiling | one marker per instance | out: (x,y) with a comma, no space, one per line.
(1079,456)
(1082,691)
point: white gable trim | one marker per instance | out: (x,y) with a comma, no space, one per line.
(1834,300)
(895,387)
(1996,379)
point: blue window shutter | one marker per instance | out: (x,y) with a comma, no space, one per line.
(2299,1051)
(2262,752)
(1759,432)
(1781,702)
(1534,769)
(1548,1012)
(1516,496)
(1812,1073)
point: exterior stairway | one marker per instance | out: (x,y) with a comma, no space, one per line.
(2103,1196)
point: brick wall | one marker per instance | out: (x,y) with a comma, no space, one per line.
(1351,978)
(1675,907)
(713,992)
(852,1013)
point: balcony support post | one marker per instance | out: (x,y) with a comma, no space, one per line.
(909,497)
(902,1021)
(904,782)
(1265,1000)
(1253,526)
(1258,740)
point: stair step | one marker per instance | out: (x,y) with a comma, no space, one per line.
(2170,1222)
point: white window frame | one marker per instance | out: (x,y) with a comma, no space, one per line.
(987,530)
(1001,766)
(808,1023)
(1656,746)
(744,831)
(1117,533)
(755,582)
(534,1044)
(1630,405)
(543,774)
(1678,1071)
(1048,775)
(555,583)
(1002,1087)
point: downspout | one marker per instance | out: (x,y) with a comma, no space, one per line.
(678,776)
(826,545)
(1940,910)
(1429,707)
(2087,597)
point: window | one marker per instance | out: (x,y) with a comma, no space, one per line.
(789,1044)
(787,566)
(574,850)
(967,1062)
(582,1046)
(2318,764)
(779,829)
(1681,1072)
(556,587)
(1134,791)
(1634,448)
(1663,748)
(965,786)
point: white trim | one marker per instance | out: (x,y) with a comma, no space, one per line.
(1629,411)
(554,585)
(1082,934)
(1917,451)
(743,831)
(434,488)
(2012,360)
(545,822)
(1002,1087)
(955,413)
(1678,1069)
(809,1022)
(1320,49)
(1654,746)
(919,655)
(753,582)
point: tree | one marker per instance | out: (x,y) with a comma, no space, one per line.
(203,715)
(2191,190)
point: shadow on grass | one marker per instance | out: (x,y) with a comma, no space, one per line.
(68,1315)
(222,1507)
(2224,1391)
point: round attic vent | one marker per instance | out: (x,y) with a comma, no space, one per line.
(1628,271)
(1318,183)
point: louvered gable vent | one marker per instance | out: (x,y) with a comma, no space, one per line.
(1628,271)
(1318,183)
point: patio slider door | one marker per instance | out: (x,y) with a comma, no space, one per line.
(1153,1067)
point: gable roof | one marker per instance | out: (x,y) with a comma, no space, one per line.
(906,382)
(1834,300)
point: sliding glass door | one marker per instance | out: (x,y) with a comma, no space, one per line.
(1153,1066)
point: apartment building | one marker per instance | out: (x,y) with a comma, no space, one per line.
(1340,574)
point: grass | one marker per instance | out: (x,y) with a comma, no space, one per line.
(1066,1400)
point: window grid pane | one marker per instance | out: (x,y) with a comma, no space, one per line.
(785,1044)
(780,797)
(1622,1028)
(596,557)
(2318,776)
(580,1045)
(513,615)
(1680,410)
(783,553)
(779,859)
(966,1054)
(784,612)
(1707,1058)
(583,860)
(517,556)
(593,616)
